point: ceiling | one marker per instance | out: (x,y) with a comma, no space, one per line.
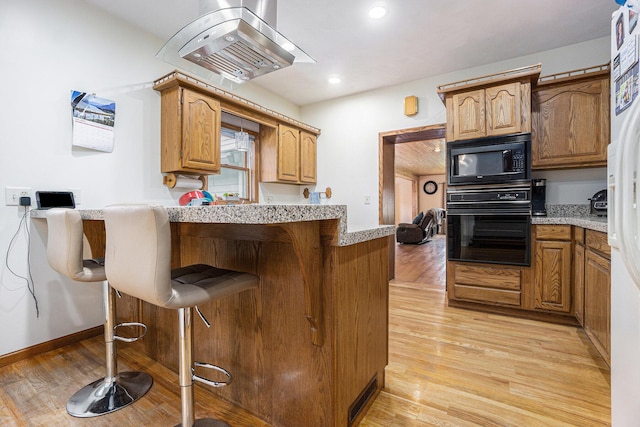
(416,39)
(419,158)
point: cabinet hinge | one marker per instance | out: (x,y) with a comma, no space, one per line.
(181,154)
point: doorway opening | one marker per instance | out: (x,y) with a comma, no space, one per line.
(387,172)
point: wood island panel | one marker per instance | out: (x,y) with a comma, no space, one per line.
(305,345)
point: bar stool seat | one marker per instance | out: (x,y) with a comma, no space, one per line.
(69,253)
(138,262)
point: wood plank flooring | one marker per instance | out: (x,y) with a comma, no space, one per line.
(447,367)
(455,367)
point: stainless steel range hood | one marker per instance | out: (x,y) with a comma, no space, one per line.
(236,39)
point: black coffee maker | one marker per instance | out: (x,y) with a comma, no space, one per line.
(538,197)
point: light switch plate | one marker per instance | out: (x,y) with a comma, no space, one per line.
(12,195)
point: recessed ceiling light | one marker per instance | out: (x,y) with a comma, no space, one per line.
(288,46)
(377,12)
(334,80)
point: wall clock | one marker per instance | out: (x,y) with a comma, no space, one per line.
(430,187)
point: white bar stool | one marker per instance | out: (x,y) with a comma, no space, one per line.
(69,253)
(138,263)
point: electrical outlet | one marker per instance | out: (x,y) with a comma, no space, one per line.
(268,199)
(12,195)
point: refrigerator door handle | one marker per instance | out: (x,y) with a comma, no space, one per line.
(627,216)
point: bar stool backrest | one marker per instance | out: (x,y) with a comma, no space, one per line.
(68,249)
(138,251)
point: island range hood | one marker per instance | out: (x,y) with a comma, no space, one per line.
(236,39)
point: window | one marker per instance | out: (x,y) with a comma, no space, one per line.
(238,171)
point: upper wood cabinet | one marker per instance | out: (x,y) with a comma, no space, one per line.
(499,104)
(190,135)
(287,155)
(570,120)
(191,113)
(308,152)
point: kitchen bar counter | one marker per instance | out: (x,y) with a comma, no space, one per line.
(309,346)
(263,214)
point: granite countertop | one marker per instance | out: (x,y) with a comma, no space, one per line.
(577,215)
(262,214)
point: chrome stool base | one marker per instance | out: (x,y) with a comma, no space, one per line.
(207,422)
(102,397)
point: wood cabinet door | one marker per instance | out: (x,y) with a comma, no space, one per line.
(553,276)
(597,311)
(200,132)
(288,153)
(578,282)
(307,157)
(570,125)
(469,115)
(503,109)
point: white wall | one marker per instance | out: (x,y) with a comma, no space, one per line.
(48,48)
(404,200)
(348,146)
(436,200)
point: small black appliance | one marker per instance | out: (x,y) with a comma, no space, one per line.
(538,197)
(599,203)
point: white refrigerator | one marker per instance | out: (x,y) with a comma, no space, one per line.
(624,216)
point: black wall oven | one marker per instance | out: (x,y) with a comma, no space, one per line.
(489,224)
(492,160)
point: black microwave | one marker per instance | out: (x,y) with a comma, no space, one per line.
(491,160)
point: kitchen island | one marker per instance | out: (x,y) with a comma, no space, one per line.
(309,346)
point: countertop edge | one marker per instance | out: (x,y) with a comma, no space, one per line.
(261,214)
(592,222)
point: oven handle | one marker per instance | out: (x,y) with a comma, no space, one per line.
(469,212)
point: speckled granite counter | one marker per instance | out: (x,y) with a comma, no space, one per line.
(577,215)
(590,222)
(262,214)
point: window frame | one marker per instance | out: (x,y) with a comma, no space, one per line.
(252,157)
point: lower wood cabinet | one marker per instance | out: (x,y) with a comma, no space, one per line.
(578,274)
(597,292)
(552,268)
(570,276)
(500,285)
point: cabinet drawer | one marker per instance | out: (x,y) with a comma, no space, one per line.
(488,284)
(553,232)
(500,278)
(597,241)
(488,295)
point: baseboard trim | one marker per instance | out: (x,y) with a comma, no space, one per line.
(44,347)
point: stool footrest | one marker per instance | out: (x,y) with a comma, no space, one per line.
(132,339)
(208,381)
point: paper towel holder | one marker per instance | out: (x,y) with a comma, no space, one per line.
(326,192)
(171,178)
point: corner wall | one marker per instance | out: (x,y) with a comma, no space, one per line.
(348,146)
(48,48)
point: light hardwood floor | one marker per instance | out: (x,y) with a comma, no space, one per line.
(447,367)
(455,367)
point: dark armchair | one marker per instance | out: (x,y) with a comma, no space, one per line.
(420,231)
